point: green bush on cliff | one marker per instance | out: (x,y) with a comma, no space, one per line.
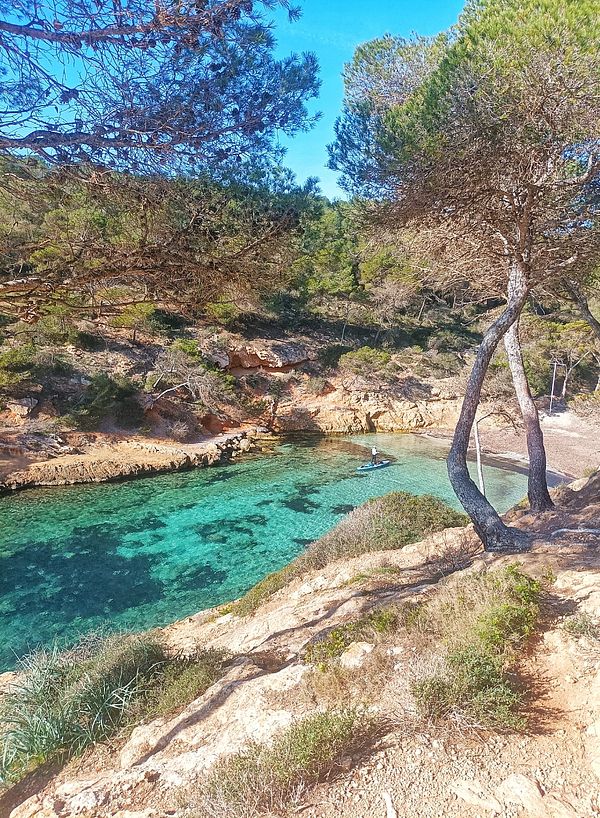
(483,621)
(384,523)
(381,524)
(267,779)
(109,397)
(65,701)
(16,363)
(365,361)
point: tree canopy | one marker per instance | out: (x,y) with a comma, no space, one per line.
(187,241)
(483,143)
(144,85)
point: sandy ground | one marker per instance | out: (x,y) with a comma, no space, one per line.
(572,443)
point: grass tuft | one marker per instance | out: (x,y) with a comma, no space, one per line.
(67,701)
(270,778)
(367,628)
(483,620)
(582,624)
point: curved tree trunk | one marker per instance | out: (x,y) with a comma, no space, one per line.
(584,308)
(537,488)
(494,534)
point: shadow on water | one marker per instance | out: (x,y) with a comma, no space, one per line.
(88,579)
(343,508)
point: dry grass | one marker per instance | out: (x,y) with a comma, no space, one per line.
(269,779)
(448,658)
(476,625)
(332,684)
(382,524)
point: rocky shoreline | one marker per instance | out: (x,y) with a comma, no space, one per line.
(127,459)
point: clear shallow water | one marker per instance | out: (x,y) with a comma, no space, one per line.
(146,552)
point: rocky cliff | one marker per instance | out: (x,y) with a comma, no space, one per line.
(419,770)
(126,459)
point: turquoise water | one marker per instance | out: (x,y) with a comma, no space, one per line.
(146,552)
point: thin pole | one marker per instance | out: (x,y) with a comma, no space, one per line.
(553,382)
(478,450)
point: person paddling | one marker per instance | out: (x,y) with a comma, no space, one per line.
(374,454)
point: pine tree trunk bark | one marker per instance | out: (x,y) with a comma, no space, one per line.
(537,488)
(494,534)
(584,308)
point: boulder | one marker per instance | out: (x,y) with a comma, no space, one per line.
(523,792)
(23,407)
(355,655)
(268,355)
(474,793)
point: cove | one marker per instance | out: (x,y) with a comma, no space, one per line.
(146,552)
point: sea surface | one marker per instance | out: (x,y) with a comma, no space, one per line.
(146,552)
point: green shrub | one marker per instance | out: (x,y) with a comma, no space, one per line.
(483,619)
(442,365)
(454,339)
(16,364)
(383,523)
(582,625)
(264,779)
(262,591)
(189,346)
(329,356)
(18,359)
(89,341)
(475,686)
(48,363)
(380,621)
(137,318)
(224,312)
(365,361)
(54,328)
(106,396)
(66,701)
(184,679)
(316,386)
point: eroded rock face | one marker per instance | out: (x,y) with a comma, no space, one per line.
(124,460)
(355,412)
(268,355)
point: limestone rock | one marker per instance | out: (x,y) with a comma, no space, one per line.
(23,407)
(126,459)
(268,354)
(346,412)
(473,792)
(355,654)
(524,792)
(556,808)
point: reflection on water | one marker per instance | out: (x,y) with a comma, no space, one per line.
(146,552)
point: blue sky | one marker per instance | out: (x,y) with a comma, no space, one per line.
(333,29)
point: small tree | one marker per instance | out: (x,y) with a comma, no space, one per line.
(137,318)
(482,147)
